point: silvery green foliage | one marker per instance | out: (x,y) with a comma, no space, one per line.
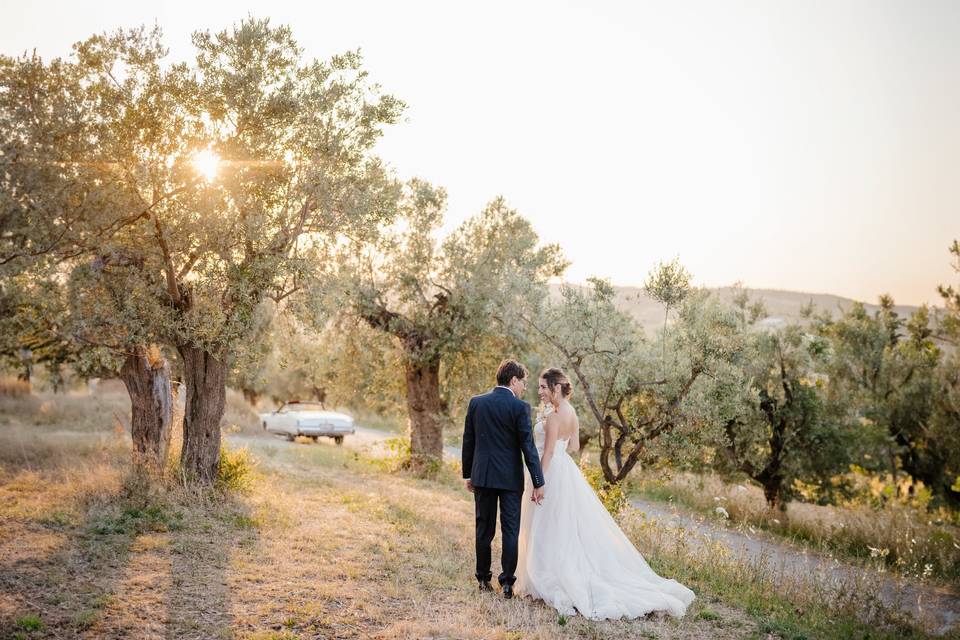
(345,364)
(246,370)
(98,170)
(895,379)
(32,311)
(949,321)
(446,304)
(642,406)
(668,283)
(441,298)
(786,429)
(946,417)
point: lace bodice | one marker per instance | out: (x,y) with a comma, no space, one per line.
(539,436)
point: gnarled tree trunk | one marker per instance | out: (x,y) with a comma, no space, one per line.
(151,402)
(772,477)
(205,378)
(251,396)
(425,410)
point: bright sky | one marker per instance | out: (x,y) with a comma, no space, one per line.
(810,146)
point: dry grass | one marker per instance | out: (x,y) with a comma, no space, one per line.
(73,411)
(11,387)
(325,544)
(52,431)
(238,415)
(345,550)
(898,537)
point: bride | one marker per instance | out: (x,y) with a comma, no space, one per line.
(573,555)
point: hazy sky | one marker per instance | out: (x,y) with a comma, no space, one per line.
(809,146)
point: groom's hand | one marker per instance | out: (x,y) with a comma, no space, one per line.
(469,485)
(537,495)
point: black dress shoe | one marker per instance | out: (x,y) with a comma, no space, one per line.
(507,591)
(485,585)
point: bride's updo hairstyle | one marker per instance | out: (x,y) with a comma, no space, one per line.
(555,376)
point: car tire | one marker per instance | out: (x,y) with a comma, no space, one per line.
(291,437)
(338,440)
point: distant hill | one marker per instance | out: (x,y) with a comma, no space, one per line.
(782,306)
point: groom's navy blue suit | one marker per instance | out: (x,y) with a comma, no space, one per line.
(497,439)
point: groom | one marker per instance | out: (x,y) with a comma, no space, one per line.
(496,435)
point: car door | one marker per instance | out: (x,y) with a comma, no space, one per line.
(277,421)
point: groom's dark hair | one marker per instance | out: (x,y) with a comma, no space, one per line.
(508,370)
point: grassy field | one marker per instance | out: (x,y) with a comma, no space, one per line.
(325,543)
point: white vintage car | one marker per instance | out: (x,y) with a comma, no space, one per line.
(310,419)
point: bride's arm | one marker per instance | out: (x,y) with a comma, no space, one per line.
(550,429)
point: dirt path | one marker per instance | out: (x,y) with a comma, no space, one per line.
(938,607)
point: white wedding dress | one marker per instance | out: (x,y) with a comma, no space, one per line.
(575,558)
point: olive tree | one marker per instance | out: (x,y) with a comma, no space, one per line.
(945,421)
(669,284)
(886,369)
(440,299)
(786,429)
(223,180)
(642,406)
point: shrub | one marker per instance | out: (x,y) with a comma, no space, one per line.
(611,495)
(400,458)
(235,473)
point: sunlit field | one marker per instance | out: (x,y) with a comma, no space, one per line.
(313,540)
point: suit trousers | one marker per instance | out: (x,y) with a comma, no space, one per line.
(486,501)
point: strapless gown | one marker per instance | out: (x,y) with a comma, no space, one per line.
(575,557)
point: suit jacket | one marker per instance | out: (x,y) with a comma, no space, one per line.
(497,439)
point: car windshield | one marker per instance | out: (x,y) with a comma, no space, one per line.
(307,406)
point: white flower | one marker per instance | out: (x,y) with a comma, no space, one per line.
(722,512)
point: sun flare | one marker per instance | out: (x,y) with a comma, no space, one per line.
(206,163)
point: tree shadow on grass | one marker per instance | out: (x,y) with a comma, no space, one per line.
(122,559)
(61,565)
(199,603)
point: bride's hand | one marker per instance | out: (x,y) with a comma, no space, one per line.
(537,495)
